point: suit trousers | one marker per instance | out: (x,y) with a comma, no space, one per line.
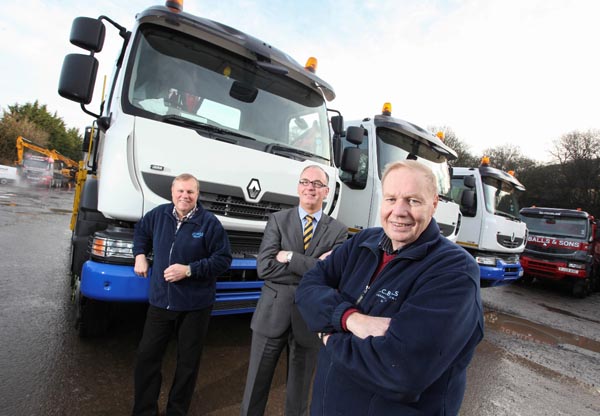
(264,355)
(190,328)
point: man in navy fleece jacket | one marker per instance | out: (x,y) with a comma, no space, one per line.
(398,309)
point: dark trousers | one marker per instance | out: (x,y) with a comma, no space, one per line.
(264,355)
(190,329)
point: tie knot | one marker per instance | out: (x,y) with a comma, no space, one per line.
(309,219)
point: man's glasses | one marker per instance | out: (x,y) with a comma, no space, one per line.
(316,184)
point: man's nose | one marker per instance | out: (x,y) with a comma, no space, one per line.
(400,208)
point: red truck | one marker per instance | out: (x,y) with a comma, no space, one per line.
(562,245)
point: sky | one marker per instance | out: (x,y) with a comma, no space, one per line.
(496,72)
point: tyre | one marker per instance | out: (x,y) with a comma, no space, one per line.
(582,288)
(526,279)
(91,316)
(3,181)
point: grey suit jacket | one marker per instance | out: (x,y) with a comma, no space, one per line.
(276,310)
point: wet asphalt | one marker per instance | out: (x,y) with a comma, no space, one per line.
(540,355)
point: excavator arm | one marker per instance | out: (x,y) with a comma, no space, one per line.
(22,143)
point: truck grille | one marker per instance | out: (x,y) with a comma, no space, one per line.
(244,244)
(549,250)
(236,207)
(505,241)
(225,200)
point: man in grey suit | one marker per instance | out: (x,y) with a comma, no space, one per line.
(294,240)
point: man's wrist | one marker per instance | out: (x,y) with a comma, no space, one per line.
(188,271)
(289,255)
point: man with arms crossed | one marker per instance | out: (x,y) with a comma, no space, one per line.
(398,309)
(294,241)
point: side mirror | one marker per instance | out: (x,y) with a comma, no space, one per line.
(88,33)
(337,150)
(337,124)
(355,135)
(77,78)
(350,160)
(469,181)
(467,202)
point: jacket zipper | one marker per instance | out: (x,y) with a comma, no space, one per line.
(362,295)
(170,253)
(368,286)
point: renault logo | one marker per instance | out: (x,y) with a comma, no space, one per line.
(253,189)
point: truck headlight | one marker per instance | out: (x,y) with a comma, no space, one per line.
(106,247)
(113,245)
(576,266)
(486,260)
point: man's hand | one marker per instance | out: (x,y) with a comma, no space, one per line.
(364,325)
(325,255)
(141,265)
(175,272)
(282,256)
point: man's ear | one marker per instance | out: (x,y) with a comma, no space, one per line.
(436,199)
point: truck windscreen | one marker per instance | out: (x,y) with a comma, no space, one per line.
(393,145)
(172,73)
(557,226)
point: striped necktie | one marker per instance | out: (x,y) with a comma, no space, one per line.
(308,231)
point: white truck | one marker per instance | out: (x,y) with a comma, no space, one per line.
(188,95)
(491,228)
(372,143)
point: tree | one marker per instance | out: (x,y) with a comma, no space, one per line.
(10,128)
(578,157)
(508,157)
(34,122)
(465,158)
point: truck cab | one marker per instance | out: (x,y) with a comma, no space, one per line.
(38,170)
(189,95)
(491,229)
(372,143)
(563,246)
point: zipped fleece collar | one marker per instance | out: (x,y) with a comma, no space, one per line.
(416,250)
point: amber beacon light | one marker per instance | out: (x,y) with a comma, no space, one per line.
(387,109)
(311,64)
(175,5)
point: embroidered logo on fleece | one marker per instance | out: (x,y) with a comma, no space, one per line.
(198,234)
(386,295)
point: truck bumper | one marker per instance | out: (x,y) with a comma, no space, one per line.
(549,270)
(118,283)
(113,283)
(502,274)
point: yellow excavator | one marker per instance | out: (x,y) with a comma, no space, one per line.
(44,171)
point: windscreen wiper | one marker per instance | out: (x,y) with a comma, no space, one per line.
(197,125)
(504,214)
(276,148)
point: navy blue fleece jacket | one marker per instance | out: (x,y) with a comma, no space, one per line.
(430,290)
(200,242)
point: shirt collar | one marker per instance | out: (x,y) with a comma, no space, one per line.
(316,216)
(385,244)
(187,216)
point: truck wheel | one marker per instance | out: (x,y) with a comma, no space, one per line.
(91,316)
(526,279)
(581,288)
(3,181)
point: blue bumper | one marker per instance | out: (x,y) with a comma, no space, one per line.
(502,274)
(113,283)
(118,283)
